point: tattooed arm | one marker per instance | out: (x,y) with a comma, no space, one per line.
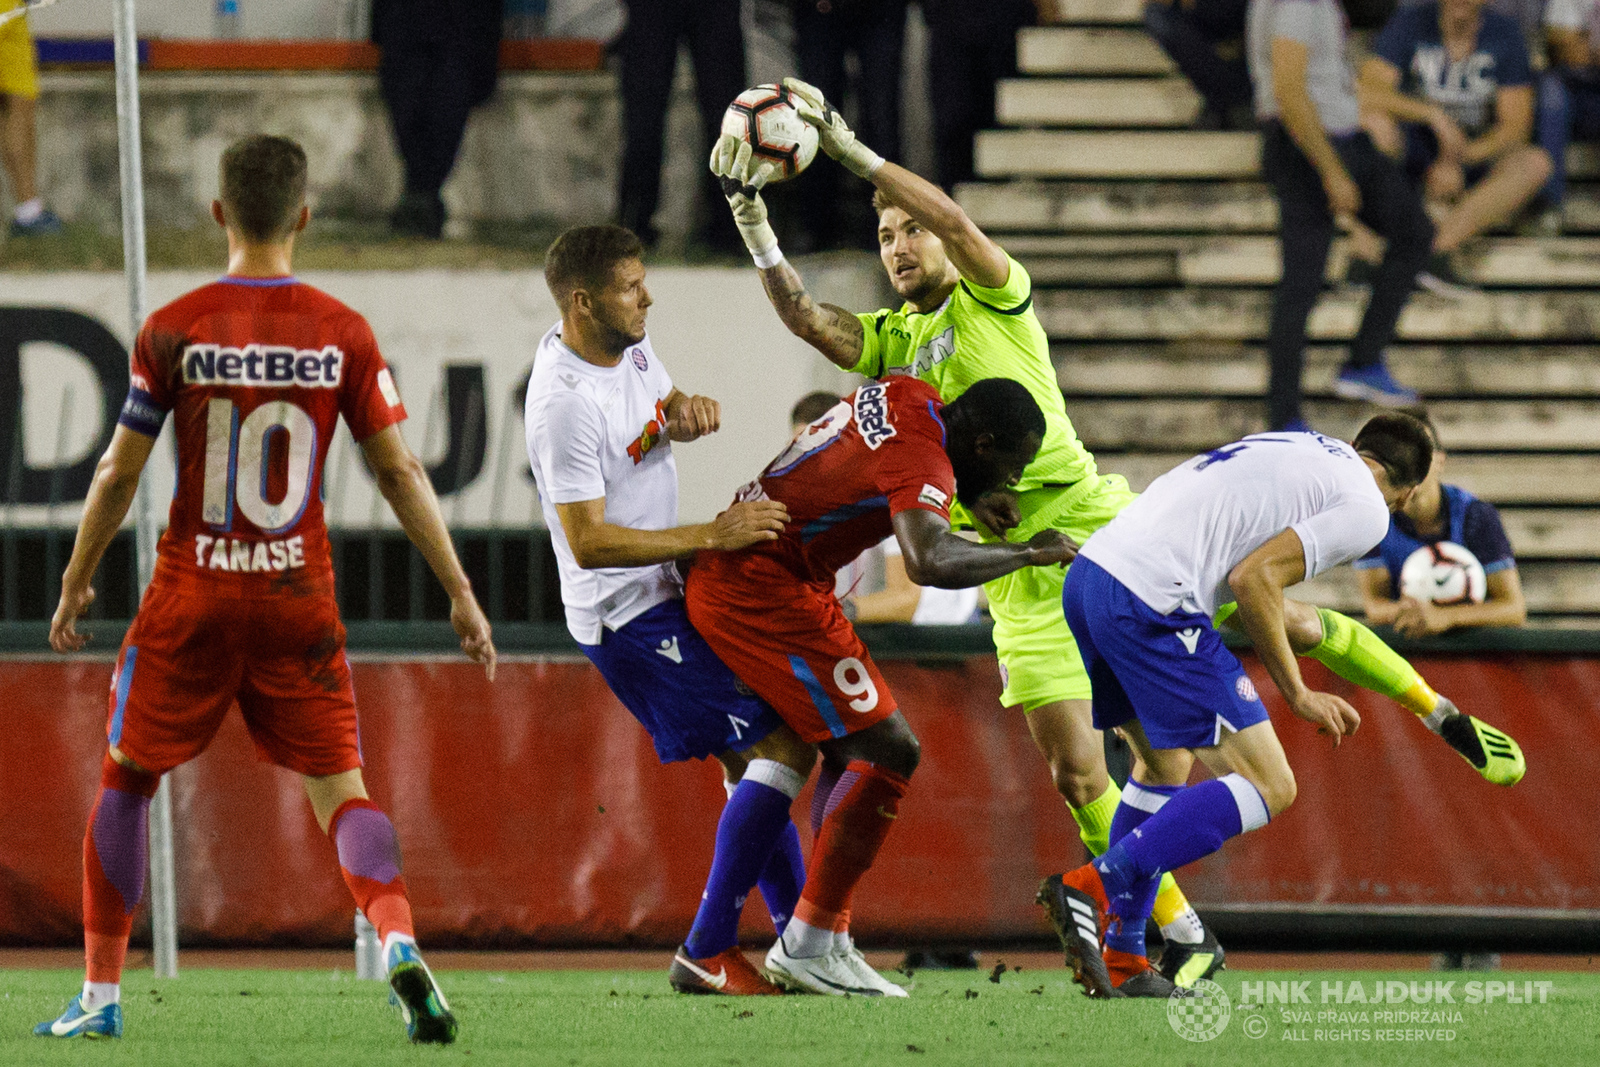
(831,330)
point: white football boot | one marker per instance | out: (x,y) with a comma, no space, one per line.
(831,975)
(865,972)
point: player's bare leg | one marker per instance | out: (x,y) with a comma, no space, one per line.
(772,772)
(1065,735)
(1356,654)
(369,859)
(864,803)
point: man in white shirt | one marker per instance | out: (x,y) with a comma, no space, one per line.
(1238,524)
(601,417)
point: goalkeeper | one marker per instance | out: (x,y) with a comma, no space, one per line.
(968,314)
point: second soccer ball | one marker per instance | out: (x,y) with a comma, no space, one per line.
(765,118)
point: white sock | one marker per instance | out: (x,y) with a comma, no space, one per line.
(97,995)
(1434,720)
(25,213)
(394,937)
(1186,929)
(804,941)
(841,940)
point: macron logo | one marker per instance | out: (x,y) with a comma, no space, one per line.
(263,365)
(669,649)
(1190,638)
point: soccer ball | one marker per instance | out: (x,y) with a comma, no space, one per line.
(765,118)
(1445,573)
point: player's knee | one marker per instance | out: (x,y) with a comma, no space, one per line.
(890,744)
(1302,626)
(1277,789)
(1075,782)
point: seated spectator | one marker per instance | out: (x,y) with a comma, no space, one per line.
(1205,39)
(1438,512)
(1449,89)
(19,93)
(1569,93)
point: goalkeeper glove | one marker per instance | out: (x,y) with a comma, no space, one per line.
(835,136)
(741,182)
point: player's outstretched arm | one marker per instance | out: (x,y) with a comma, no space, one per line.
(403,481)
(934,556)
(974,254)
(1258,582)
(833,331)
(116,479)
(596,543)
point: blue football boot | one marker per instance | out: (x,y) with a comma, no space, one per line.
(422,1005)
(75,1022)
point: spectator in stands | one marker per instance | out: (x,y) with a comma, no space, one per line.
(1322,165)
(439,59)
(19,92)
(1438,512)
(972,44)
(825,33)
(648,51)
(1449,91)
(1569,93)
(1205,39)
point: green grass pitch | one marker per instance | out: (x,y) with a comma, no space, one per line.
(632,1018)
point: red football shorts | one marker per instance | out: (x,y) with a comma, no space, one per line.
(188,658)
(790,642)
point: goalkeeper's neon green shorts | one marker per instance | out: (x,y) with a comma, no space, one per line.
(1039,661)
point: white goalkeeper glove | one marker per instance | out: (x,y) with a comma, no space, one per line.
(741,181)
(835,136)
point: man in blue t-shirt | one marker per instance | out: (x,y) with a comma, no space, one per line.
(1438,512)
(1449,87)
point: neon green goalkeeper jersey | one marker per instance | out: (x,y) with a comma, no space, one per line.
(981,333)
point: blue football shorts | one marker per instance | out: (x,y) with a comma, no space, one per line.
(682,694)
(1171,672)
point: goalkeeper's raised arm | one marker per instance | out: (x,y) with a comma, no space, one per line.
(911,210)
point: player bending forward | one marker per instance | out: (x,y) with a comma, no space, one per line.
(888,458)
(256,370)
(968,314)
(602,414)
(1237,525)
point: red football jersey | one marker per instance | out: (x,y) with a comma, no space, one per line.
(256,372)
(877,453)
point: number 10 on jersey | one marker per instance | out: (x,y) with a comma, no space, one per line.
(235,447)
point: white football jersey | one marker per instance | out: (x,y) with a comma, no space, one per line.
(1175,545)
(601,432)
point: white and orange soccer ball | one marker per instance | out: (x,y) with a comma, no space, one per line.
(765,118)
(1445,573)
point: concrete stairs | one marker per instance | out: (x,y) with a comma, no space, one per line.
(1152,250)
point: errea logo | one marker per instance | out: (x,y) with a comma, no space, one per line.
(872,415)
(263,365)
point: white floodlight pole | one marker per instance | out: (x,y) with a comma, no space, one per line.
(163,898)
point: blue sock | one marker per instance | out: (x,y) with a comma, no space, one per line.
(783,878)
(747,836)
(1139,802)
(1193,824)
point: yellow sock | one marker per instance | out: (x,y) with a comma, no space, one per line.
(1170,901)
(1358,655)
(1094,819)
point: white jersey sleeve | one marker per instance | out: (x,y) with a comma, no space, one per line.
(566,437)
(1344,532)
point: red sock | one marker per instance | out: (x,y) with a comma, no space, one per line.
(1123,965)
(369,859)
(849,842)
(115,857)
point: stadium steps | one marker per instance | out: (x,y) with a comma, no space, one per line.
(1074,207)
(1152,250)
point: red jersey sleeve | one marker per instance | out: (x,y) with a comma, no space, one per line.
(914,471)
(368,398)
(150,379)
